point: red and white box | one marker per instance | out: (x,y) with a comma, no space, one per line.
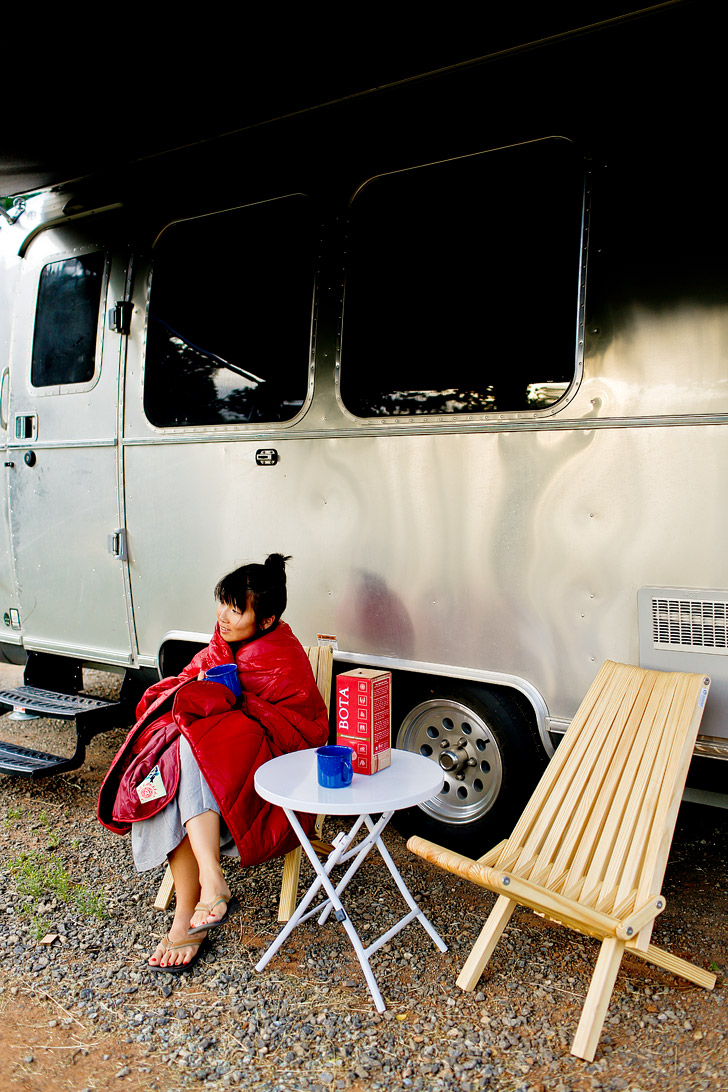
(364,717)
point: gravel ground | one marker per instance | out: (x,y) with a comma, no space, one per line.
(81,1011)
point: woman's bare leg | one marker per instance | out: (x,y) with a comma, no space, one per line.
(203,833)
(186,875)
(198,877)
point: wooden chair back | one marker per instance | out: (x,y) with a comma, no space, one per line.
(321,659)
(599,825)
(591,846)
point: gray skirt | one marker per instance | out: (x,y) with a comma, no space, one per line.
(152,840)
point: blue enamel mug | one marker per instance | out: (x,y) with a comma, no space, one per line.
(227,674)
(335,769)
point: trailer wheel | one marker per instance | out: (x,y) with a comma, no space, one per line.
(489,752)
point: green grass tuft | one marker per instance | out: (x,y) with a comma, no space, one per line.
(41,877)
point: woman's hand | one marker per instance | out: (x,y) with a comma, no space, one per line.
(201,676)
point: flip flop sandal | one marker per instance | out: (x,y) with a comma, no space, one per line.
(232,907)
(179,968)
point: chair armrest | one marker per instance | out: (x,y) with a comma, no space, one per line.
(628,927)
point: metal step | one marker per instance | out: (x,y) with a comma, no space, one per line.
(92,715)
(51,703)
(24,762)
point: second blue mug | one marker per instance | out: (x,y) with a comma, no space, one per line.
(335,769)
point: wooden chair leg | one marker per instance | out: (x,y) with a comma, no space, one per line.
(597,999)
(292,868)
(289,884)
(672,963)
(166,890)
(486,942)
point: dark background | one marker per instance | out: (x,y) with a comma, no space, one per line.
(80,97)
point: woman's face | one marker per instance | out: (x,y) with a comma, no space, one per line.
(236,625)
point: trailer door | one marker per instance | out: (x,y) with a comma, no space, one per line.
(66,496)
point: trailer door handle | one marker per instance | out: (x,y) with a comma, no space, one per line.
(4,388)
(117,544)
(26,426)
(266,456)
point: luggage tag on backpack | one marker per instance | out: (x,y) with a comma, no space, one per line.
(152,787)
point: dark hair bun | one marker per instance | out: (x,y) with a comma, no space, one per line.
(276,563)
(263,587)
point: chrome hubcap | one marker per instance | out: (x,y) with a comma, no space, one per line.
(453,760)
(461,742)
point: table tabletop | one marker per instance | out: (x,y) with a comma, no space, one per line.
(292,782)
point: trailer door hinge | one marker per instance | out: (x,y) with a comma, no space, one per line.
(117,544)
(120,317)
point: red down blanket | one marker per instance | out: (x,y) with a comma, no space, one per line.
(280,710)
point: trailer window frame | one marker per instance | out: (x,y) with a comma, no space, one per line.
(153,406)
(97,337)
(433,406)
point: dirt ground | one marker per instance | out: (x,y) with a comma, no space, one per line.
(44,1047)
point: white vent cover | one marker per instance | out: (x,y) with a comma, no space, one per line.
(690,624)
(686,629)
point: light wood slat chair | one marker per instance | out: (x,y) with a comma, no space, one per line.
(322,663)
(591,847)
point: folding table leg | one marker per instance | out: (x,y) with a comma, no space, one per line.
(339,912)
(405,892)
(361,851)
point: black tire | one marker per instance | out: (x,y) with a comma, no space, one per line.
(504,759)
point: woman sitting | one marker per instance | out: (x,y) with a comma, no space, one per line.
(183,780)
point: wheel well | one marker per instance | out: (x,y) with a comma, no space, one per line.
(411,687)
(175,655)
(485,739)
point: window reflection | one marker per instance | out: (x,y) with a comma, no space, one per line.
(462,285)
(228,339)
(66,324)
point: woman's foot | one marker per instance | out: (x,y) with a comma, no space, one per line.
(173,953)
(208,915)
(213,903)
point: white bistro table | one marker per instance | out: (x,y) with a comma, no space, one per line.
(292,782)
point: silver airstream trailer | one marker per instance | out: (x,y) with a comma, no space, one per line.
(459,346)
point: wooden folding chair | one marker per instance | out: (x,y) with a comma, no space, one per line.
(591,847)
(322,662)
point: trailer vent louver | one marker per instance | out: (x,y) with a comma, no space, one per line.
(690,625)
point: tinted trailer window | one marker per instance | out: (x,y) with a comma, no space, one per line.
(462,287)
(67,321)
(229,331)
